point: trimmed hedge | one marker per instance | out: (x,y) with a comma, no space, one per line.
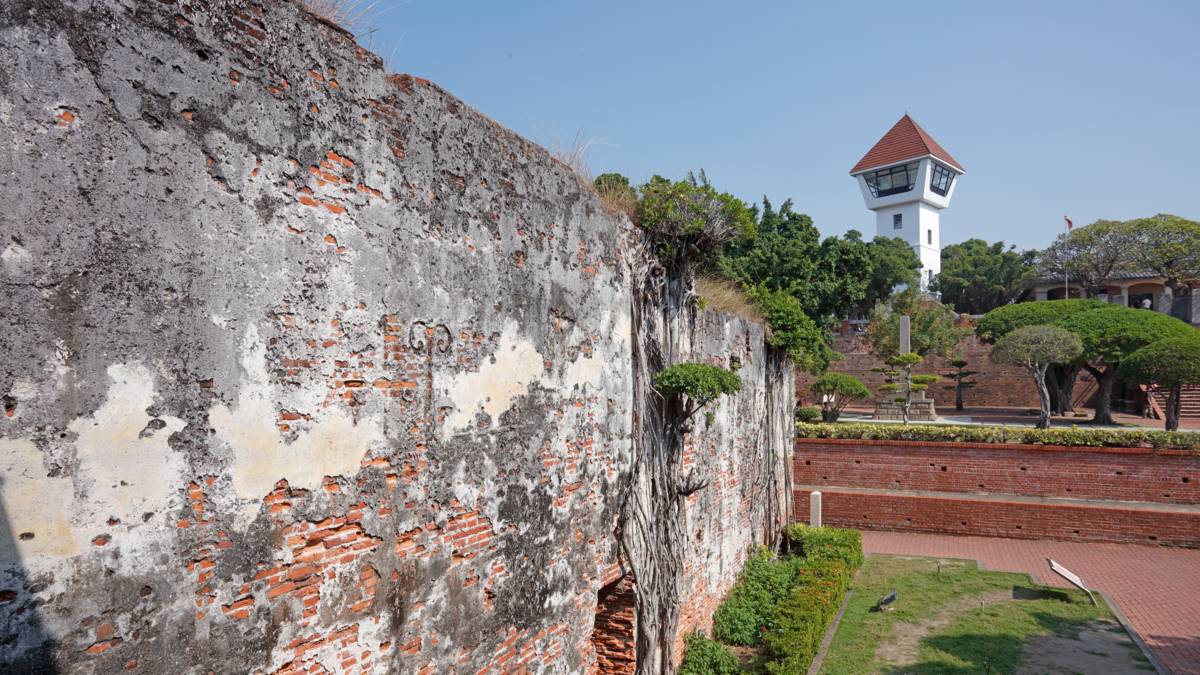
(703,656)
(807,415)
(1120,438)
(787,603)
(827,543)
(806,614)
(748,610)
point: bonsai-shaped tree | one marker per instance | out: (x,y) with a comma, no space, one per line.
(685,389)
(901,378)
(688,387)
(1109,336)
(1170,364)
(961,383)
(1060,377)
(836,391)
(1036,347)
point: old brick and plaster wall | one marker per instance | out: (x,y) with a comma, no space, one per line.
(309,368)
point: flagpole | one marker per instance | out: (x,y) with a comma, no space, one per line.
(1066,274)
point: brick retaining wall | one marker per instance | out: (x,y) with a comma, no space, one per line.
(1131,495)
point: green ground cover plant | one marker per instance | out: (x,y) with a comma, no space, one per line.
(703,656)
(1120,438)
(973,637)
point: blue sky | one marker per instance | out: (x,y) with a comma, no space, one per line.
(1089,109)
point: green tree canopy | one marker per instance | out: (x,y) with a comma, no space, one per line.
(893,263)
(1169,363)
(1003,320)
(1112,333)
(977,277)
(828,277)
(934,326)
(1036,347)
(1168,246)
(836,391)
(792,330)
(1089,256)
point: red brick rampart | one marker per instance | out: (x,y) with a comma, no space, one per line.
(1132,495)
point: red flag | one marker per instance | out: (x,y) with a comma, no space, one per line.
(1069,223)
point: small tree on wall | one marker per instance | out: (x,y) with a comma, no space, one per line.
(836,391)
(1170,364)
(1036,347)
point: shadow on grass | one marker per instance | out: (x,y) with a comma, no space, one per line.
(1036,593)
(972,653)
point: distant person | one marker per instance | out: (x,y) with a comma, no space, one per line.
(1145,303)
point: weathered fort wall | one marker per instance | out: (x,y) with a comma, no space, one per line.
(1127,495)
(309,368)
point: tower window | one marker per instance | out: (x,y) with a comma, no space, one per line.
(892,180)
(897,221)
(929,237)
(941,179)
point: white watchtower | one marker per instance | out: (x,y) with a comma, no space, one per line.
(907,179)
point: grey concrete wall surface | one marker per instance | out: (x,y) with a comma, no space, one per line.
(311,368)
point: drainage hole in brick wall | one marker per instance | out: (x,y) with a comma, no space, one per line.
(943,468)
(807,462)
(1120,473)
(1185,479)
(613,634)
(1022,468)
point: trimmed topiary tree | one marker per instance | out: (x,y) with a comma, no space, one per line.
(1170,364)
(1060,377)
(1036,347)
(1109,336)
(836,391)
(961,383)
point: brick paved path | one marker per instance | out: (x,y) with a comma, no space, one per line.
(1157,589)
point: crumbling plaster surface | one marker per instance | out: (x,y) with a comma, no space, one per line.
(303,364)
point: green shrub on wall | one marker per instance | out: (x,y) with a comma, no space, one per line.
(1119,438)
(703,656)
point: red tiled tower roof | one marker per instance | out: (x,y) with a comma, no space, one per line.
(905,140)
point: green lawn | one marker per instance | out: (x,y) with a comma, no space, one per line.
(944,629)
